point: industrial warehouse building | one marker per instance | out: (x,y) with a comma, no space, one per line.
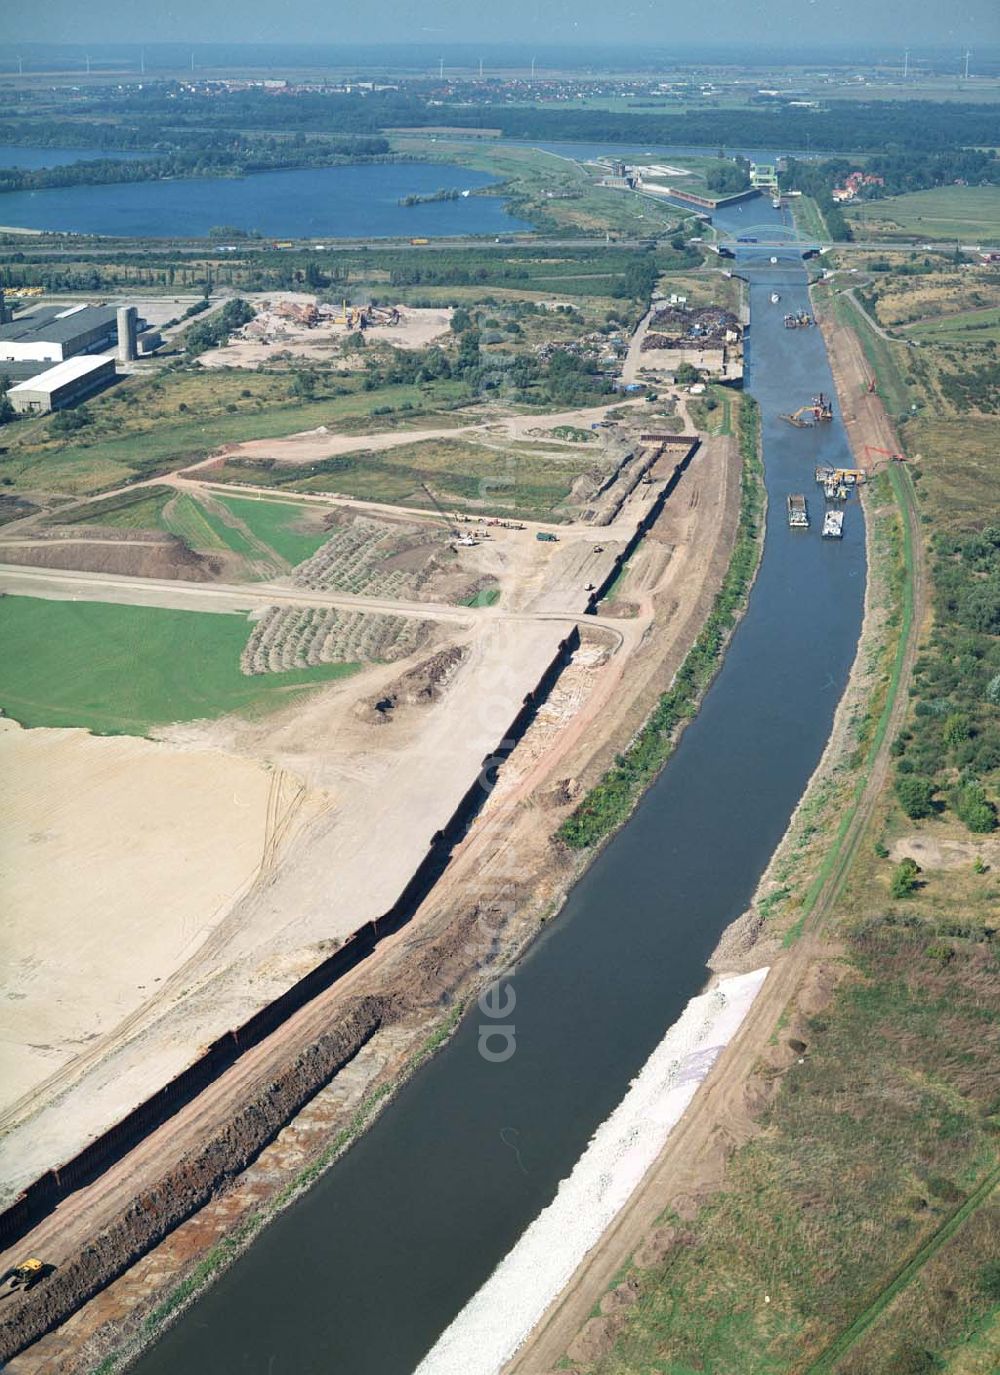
(51,334)
(61,386)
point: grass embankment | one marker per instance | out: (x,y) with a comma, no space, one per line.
(249,526)
(809,220)
(610,802)
(122,670)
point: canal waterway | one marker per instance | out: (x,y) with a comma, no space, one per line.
(365,1271)
(359,200)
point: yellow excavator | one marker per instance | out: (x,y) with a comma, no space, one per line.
(25,1275)
(819,409)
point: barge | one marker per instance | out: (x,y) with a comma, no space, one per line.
(833,525)
(798,511)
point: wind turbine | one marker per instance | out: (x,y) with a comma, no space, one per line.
(906,64)
(968,54)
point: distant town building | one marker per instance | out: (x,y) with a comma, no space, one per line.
(854,184)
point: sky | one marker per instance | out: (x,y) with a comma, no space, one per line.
(641,22)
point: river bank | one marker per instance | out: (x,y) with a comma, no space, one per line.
(801,880)
(689,859)
(445,965)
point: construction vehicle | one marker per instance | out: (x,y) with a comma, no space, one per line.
(798,511)
(886,453)
(25,1275)
(466,540)
(840,477)
(546,538)
(819,409)
(872,386)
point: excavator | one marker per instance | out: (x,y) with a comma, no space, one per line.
(466,540)
(886,453)
(25,1275)
(819,409)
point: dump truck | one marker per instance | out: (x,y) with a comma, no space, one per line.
(546,538)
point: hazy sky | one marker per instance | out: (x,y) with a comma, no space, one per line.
(640,22)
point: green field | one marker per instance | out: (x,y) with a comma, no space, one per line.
(971,213)
(967,327)
(121,670)
(278,524)
(200,529)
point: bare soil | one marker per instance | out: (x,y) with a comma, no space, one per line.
(154,557)
(457,938)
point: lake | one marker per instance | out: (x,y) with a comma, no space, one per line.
(32,158)
(356,201)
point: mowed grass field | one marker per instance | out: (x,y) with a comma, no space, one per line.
(252,527)
(122,670)
(281,525)
(968,327)
(971,213)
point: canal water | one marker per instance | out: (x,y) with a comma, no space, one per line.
(364,1272)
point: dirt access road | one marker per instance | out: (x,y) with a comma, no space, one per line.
(672,580)
(720,1117)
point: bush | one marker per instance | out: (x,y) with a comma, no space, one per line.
(68,422)
(904,878)
(972,806)
(916,795)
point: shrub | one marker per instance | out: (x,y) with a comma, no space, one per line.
(904,878)
(916,795)
(972,806)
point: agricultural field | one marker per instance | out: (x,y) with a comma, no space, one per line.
(969,213)
(124,670)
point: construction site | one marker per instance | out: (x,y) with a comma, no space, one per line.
(300,326)
(522,631)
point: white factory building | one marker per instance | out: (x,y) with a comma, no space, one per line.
(78,340)
(62,385)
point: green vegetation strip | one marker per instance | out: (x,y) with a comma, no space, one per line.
(121,670)
(838,855)
(847,1339)
(611,801)
(278,524)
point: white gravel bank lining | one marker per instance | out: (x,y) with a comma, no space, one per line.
(499,1318)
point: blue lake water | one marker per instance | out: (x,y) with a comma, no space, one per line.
(357,201)
(33,158)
